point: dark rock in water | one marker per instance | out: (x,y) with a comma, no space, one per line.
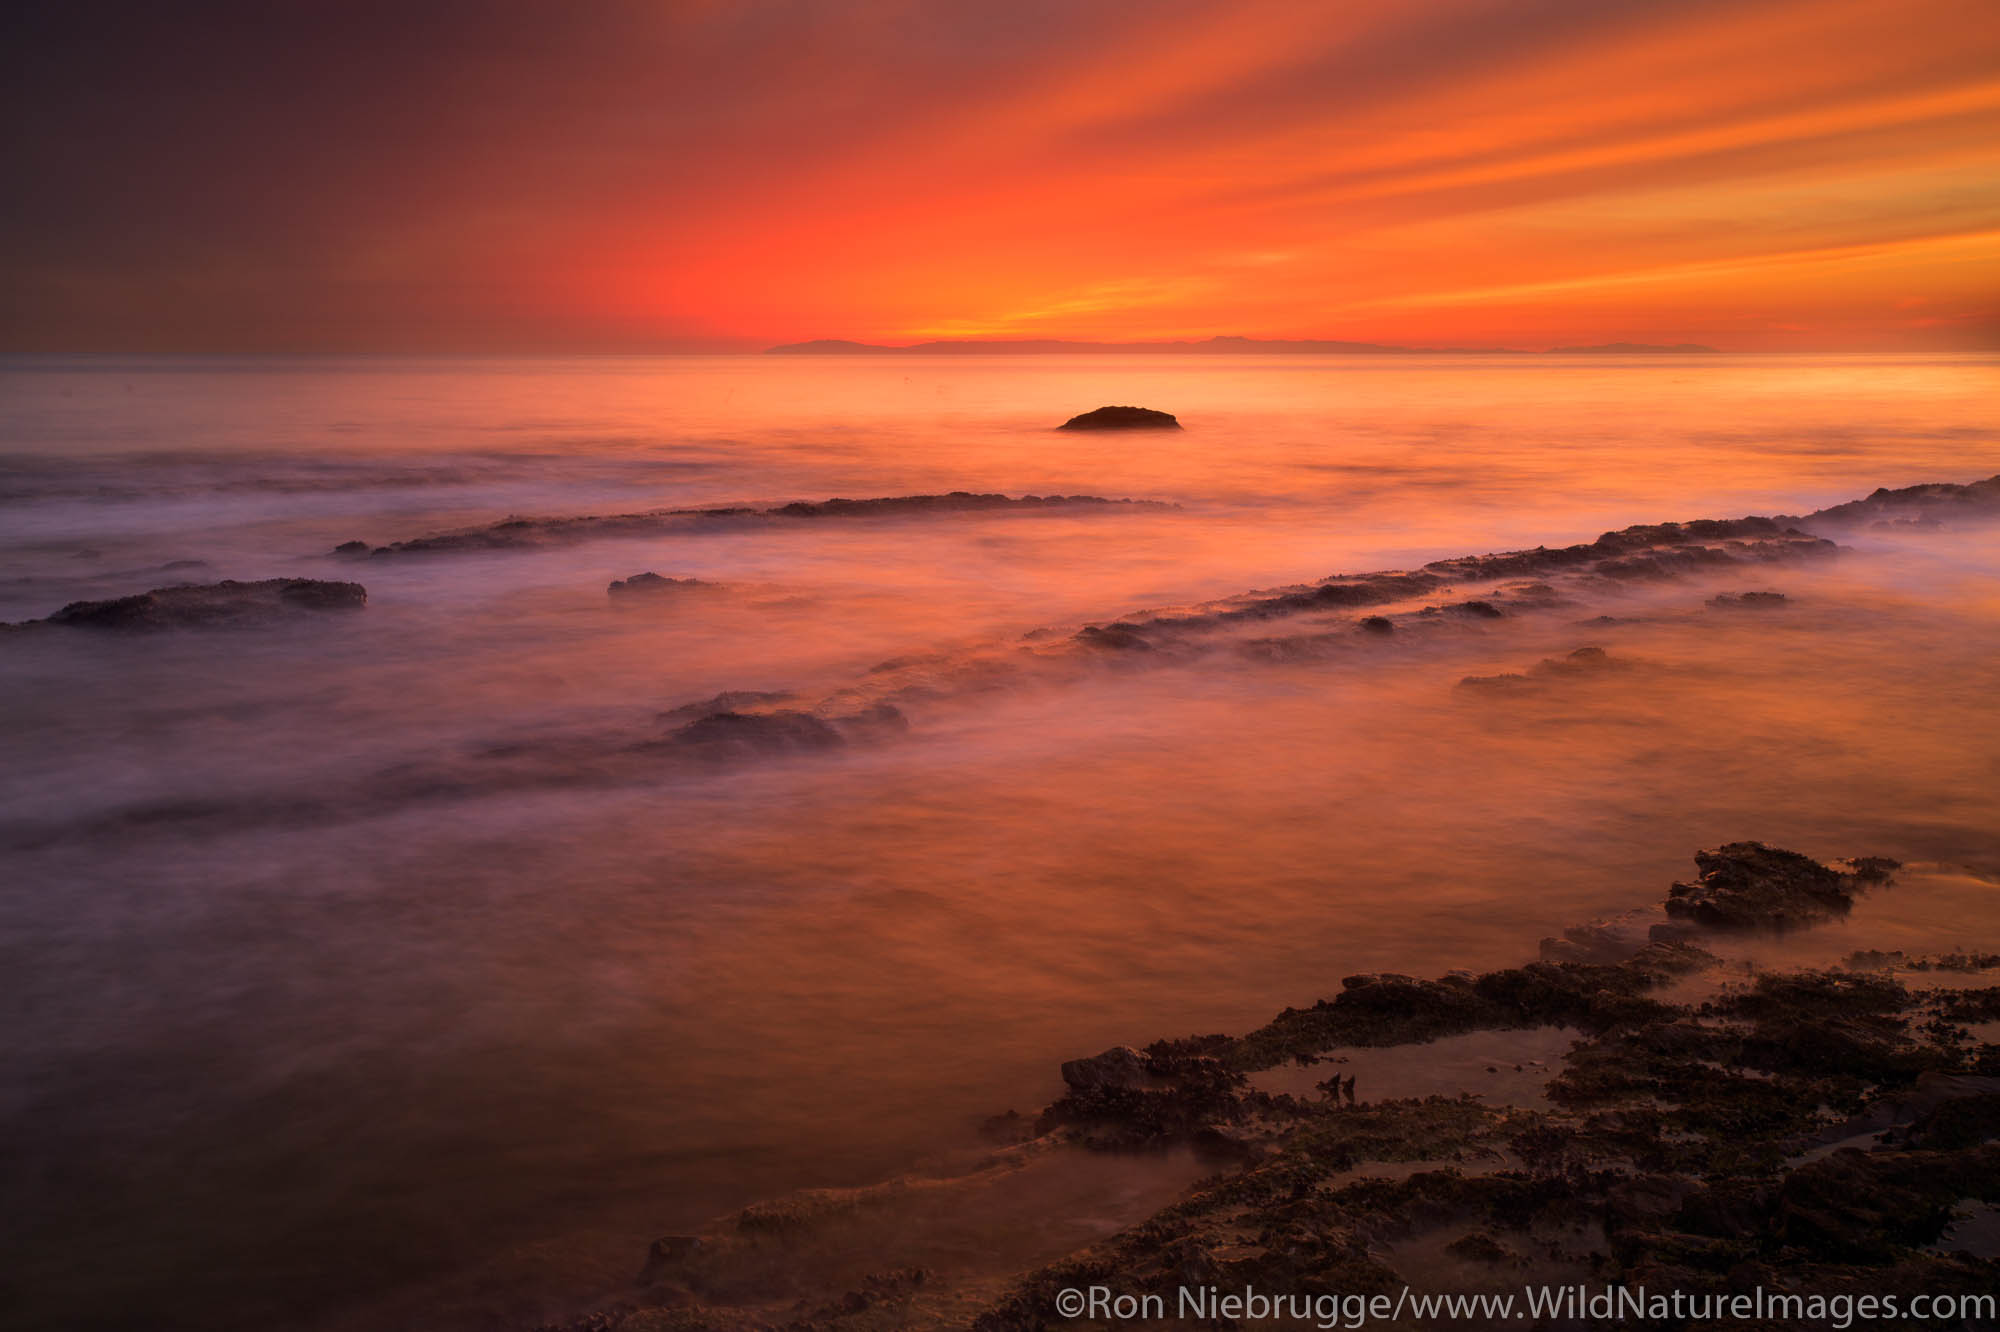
(876,723)
(1508,682)
(1650,551)
(652,584)
(1171,1092)
(1579,659)
(1120,1066)
(227,604)
(1748,601)
(729,700)
(782,732)
(1113,638)
(1475,610)
(785,731)
(1121,418)
(1750,886)
(1596,942)
(1582,661)
(667,1254)
(1376,624)
(350,550)
(534,533)
(1925,507)
(1481,1247)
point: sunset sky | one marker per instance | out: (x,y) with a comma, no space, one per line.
(715,174)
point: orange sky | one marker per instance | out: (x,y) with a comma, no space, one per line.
(488,176)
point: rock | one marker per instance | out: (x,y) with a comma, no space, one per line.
(1481,1247)
(530,533)
(666,1255)
(350,550)
(1579,660)
(651,584)
(1120,1066)
(1597,942)
(1925,506)
(1376,624)
(1750,886)
(781,732)
(729,700)
(879,722)
(228,604)
(724,732)
(1748,601)
(1113,638)
(1582,661)
(1121,418)
(1126,1098)
(1510,682)
(1475,610)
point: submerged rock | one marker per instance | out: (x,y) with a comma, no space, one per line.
(1579,662)
(1113,638)
(1122,418)
(729,700)
(521,533)
(1120,1066)
(228,604)
(778,732)
(1748,601)
(725,733)
(650,584)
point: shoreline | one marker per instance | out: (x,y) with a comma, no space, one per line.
(1676,1119)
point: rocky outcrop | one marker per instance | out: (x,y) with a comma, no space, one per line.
(1122,418)
(1583,661)
(649,584)
(1649,551)
(1924,507)
(1750,886)
(538,533)
(729,700)
(727,733)
(1748,601)
(225,605)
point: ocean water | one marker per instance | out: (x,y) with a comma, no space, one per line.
(360,952)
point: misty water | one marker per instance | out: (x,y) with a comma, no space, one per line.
(263,1067)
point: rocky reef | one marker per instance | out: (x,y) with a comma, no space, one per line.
(1122,418)
(224,605)
(1926,507)
(650,585)
(1337,616)
(538,533)
(1812,1134)
(1750,886)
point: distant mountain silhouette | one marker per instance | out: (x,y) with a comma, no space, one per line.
(1629,349)
(1211,346)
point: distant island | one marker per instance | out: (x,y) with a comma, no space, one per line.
(1207,346)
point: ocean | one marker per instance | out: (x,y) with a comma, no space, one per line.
(369,954)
